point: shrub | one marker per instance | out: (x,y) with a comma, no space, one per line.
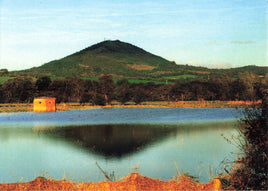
(251,171)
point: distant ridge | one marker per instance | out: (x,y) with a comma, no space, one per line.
(124,60)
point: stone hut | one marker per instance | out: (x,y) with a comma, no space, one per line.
(44,104)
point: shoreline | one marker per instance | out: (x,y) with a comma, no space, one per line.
(134,181)
(28,107)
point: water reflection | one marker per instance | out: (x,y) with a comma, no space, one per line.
(68,143)
(112,140)
(118,141)
(73,150)
(7,134)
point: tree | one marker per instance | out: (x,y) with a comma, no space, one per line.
(2,97)
(260,86)
(221,87)
(3,72)
(237,89)
(42,84)
(177,91)
(97,95)
(9,90)
(139,94)
(248,80)
(162,93)
(149,88)
(57,87)
(27,90)
(87,93)
(123,92)
(18,89)
(107,87)
(73,88)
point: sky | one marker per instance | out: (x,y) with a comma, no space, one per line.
(209,33)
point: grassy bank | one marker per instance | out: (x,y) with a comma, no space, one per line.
(22,107)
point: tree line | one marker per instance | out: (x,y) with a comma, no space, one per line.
(104,90)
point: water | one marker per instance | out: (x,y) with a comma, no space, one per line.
(152,141)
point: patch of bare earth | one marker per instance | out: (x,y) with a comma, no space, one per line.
(141,67)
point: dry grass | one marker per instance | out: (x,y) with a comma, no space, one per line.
(133,182)
(8,108)
(213,104)
(141,67)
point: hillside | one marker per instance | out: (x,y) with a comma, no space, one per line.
(117,58)
(257,70)
(124,60)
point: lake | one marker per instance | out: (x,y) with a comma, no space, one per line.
(153,141)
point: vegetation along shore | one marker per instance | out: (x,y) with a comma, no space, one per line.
(28,107)
(106,90)
(134,181)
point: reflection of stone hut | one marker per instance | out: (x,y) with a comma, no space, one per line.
(44,104)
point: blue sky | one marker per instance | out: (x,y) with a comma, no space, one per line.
(210,33)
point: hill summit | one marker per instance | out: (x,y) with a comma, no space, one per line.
(115,46)
(120,59)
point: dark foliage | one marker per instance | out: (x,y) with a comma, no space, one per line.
(4,72)
(104,91)
(123,91)
(2,97)
(43,83)
(99,100)
(58,88)
(19,89)
(139,94)
(106,87)
(251,171)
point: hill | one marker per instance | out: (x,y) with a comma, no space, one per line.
(124,60)
(257,70)
(117,58)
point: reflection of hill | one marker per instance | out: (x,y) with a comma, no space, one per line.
(112,140)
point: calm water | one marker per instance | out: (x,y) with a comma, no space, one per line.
(152,141)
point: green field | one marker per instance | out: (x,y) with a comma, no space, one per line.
(115,80)
(185,76)
(147,81)
(84,78)
(4,78)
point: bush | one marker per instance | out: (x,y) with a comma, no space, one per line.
(251,171)
(139,95)
(99,100)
